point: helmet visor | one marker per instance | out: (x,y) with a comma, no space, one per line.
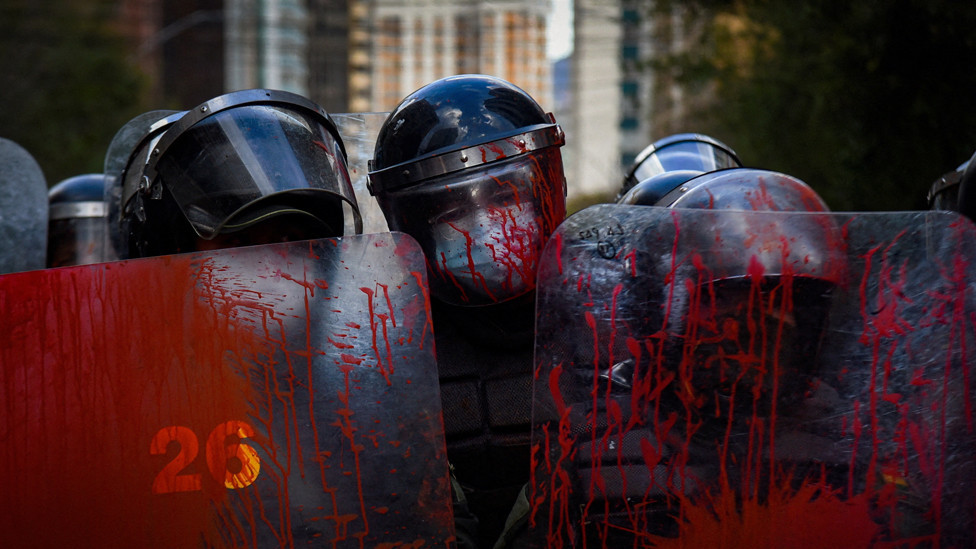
(79,240)
(241,165)
(482,230)
(699,156)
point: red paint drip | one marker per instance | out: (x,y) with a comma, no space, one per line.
(428,327)
(558,251)
(477,278)
(340,345)
(348,430)
(385,368)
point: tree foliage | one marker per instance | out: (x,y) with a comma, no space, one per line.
(868,102)
(66,82)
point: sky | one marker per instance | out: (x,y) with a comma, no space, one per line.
(560,29)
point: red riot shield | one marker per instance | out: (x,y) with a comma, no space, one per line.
(269,396)
(721,379)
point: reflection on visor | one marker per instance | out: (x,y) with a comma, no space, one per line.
(225,164)
(489,255)
(687,155)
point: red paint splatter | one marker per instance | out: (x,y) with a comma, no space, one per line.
(809,517)
(377,321)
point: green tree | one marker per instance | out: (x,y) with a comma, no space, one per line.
(868,102)
(66,82)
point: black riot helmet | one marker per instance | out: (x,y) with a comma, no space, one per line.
(956,190)
(234,168)
(682,152)
(470,166)
(78,223)
(749,304)
(648,192)
(125,183)
(760,278)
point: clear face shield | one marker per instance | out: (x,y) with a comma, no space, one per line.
(78,223)
(79,239)
(489,253)
(482,228)
(249,156)
(681,152)
(944,192)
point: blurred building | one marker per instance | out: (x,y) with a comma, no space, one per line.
(180,46)
(619,104)
(347,55)
(592,155)
(366,55)
(266,44)
(418,41)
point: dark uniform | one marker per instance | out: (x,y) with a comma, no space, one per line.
(470,166)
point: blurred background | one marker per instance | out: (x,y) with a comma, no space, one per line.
(868,102)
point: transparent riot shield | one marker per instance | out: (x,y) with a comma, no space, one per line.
(270,396)
(359,131)
(713,379)
(23,210)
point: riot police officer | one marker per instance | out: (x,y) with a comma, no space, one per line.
(747,319)
(956,190)
(470,166)
(753,292)
(78,222)
(248,167)
(669,161)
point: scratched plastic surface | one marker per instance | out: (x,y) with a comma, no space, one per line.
(23,210)
(272,396)
(359,131)
(677,405)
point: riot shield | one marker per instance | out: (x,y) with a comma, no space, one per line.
(689,393)
(359,131)
(268,396)
(23,210)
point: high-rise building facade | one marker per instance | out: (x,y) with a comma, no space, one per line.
(418,41)
(266,45)
(329,43)
(592,154)
(620,104)
(348,55)
(367,55)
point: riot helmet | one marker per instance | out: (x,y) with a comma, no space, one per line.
(648,192)
(126,155)
(78,222)
(761,294)
(683,151)
(749,298)
(239,169)
(956,190)
(470,166)
(124,184)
